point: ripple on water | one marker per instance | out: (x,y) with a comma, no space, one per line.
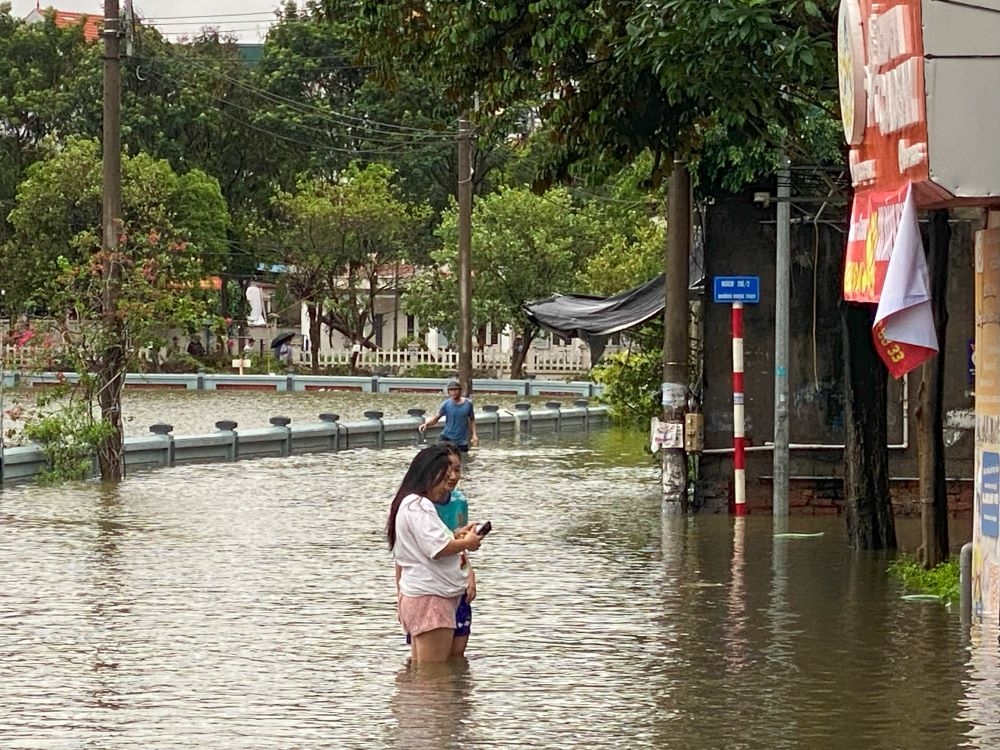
(251,605)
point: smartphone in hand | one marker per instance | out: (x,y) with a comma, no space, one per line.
(484,528)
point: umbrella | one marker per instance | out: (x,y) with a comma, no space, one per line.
(282,338)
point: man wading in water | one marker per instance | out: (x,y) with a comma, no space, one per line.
(460,426)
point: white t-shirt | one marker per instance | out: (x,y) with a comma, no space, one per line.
(420,535)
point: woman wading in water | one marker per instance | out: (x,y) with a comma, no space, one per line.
(432,572)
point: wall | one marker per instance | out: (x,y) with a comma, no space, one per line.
(740,240)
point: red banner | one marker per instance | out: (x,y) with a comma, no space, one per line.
(899,356)
(875,219)
(904,332)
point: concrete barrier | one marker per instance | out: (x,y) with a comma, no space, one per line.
(202,381)
(281,438)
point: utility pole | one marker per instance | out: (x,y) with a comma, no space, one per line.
(112,154)
(782,277)
(465,255)
(111,375)
(676,337)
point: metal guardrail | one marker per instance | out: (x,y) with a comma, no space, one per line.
(282,438)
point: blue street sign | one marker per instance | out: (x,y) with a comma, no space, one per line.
(736,289)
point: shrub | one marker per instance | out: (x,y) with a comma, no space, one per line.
(942,580)
(69,438)
(631,385)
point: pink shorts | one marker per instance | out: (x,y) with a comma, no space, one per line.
(420,614)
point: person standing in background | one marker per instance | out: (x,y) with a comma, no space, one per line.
(460,419)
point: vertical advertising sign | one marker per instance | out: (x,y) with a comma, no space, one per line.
(882,94)
(986,525)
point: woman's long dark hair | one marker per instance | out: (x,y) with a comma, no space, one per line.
(427,470)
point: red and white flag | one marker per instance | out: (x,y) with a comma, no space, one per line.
(904,322)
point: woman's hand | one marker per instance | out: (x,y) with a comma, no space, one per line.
(467,535)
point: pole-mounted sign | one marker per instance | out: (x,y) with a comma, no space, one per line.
(737,290)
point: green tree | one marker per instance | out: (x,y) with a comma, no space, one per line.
(527,246)
(60,262)
(341,240)
(726,85)
(50,80)
(611,80)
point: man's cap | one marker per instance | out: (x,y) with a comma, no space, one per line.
(453,384)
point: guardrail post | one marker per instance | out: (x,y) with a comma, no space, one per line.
(228,425)
(524,419)
(965,583)
(585,404)
(335,439)
(200,380)
(283,422)
(380,436)
(494,411)
(165,429)
(558,407)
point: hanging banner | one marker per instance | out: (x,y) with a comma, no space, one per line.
(875,217)
(904,331)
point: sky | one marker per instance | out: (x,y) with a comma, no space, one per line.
(247,20)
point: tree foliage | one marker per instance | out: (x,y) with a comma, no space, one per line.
(526,247)
(610,80)
(57,220)
(63,269)
(341,241)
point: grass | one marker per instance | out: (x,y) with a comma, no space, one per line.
(941,580)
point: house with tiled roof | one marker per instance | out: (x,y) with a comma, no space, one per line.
(91,22)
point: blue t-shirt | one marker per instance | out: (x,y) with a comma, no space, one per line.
(455,512)
(456,428)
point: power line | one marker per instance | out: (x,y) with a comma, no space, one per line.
(269,13)
(374,125)
(391,146)
(371,129)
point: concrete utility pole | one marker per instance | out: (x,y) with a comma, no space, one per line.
(465,255)
(112,154)
(676,337)
(111,374)
(782,277)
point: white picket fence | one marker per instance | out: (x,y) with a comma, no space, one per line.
(556,360)
(551,361)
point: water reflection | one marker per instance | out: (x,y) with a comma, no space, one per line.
(431,707)
(251,606)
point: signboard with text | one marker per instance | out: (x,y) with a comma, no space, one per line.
(736,289)
(986,526)
(914,78)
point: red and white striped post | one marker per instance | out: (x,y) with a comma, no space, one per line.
(739,441)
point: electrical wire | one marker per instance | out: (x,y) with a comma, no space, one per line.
(391,147)
(307,108)
(269,13)
(373,128)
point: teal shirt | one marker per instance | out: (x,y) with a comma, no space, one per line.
(455,512)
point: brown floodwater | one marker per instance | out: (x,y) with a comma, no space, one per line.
(251,605)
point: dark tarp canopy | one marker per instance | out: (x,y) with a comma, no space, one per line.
(593,319)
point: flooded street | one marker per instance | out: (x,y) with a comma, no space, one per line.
(251,605)
(196,412)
